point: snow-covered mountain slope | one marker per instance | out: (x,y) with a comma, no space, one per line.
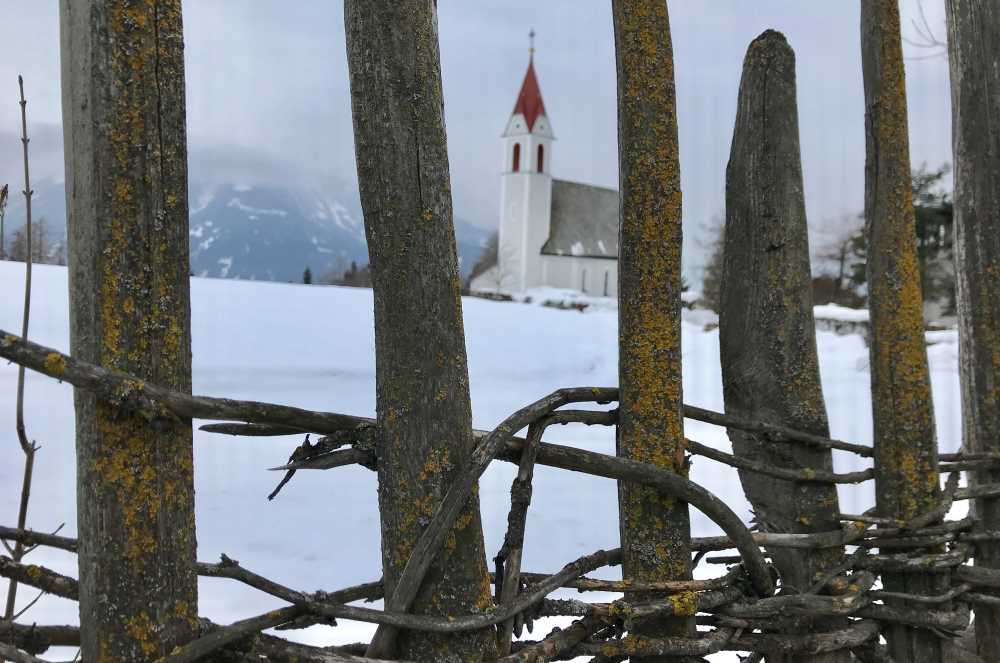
(264,233)
(313,346)
(272,234)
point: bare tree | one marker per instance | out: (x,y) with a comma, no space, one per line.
(424,418)
(655,529)
(767,335)
(974,36)
(126,191)
(711,279)
(906,457)
(925,37)
(837,246)
(38,237)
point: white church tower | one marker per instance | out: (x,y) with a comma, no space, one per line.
(526,189)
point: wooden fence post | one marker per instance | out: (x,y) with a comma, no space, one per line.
(906,456)
(424,422)
(767,335)
(974,48)
(655,529)
(127,205)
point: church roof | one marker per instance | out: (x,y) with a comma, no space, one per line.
(529,99)
(584,221)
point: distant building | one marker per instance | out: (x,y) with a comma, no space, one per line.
(552,232)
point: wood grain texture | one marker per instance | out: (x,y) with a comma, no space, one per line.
(654,527)
(767,337)
(974,49)
(906,460)
(424,413)
(126,176)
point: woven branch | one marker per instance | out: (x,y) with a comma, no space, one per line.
(738,602)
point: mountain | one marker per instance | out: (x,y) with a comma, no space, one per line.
(272,234)
(261,232)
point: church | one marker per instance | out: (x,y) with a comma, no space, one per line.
(552,232)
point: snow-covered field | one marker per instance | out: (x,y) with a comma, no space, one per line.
(313,346)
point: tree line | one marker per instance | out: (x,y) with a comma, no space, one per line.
(842,252)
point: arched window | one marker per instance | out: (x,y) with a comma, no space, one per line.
(541,159)
(583,281)
(605,283)
(517,157)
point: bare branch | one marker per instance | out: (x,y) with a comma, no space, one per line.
(27,447)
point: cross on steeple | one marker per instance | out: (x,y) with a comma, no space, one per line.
(531,42)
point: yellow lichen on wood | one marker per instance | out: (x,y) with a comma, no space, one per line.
(143,631)
(55,364)
(684,604)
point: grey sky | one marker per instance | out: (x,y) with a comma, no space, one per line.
(268,92)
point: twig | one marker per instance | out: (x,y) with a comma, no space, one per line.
(332,604)
(39,577)
(13,654)
(37,639)
(305,450)
(917,598)
(668,482)
(850,637)
(221,637)
(30,538)
(508,560)
(556,642)
(252,430)
(773,431)
(711,643)
(26,608)
(27,447)
(154,402)
(585,584)
(748,465)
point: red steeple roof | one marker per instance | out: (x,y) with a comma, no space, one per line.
(529,100)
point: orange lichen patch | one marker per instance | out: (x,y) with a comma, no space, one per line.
(685,604)
(126,466)
(55,364)
(438,461)
(905,444)
(143,632)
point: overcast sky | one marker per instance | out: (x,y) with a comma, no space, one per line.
(267,92)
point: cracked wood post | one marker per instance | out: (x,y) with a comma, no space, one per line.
(974,49)
(655,528)
(424,419)
(126,195)
(767,335)
(906,460)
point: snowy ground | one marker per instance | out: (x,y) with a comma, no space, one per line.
(313,346)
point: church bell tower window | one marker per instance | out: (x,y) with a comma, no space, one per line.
(517,157)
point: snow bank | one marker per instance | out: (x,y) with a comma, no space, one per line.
(313,346)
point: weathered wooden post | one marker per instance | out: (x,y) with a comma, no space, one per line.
(424,431)
(974,48)
(654,528)
(126,195)
(767,335)
(906,456)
